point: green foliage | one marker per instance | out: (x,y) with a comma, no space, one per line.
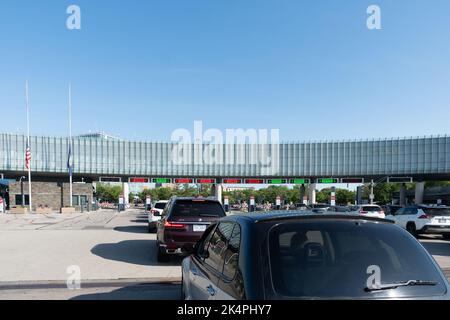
(431,184)
(344,196)
(109,193)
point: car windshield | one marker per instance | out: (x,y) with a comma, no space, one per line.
(198,208)
(433,212)
(329,259)
(371,209)
(320,206)
(160,205)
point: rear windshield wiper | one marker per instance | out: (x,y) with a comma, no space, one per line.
(208,215)
(401,284)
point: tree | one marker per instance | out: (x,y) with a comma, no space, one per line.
(108,193)
(344,196)
(431,184)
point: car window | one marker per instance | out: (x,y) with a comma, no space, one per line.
(204,246)
(400,212)
(371,208)
(331,259)
(410,211)
(433,212)
(232,254)
(218,245)
(197,208)
(160,205)
(167,208)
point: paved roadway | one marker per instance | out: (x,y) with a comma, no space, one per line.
(115,253)
(116,256)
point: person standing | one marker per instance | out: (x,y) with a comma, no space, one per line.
(2,205)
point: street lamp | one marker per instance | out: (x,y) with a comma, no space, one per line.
(21,190)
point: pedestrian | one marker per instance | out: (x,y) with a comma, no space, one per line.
(2,205)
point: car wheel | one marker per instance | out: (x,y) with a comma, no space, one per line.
(446,236)
(162,256)
(151,229)
(411,228)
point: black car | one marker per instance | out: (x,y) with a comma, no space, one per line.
(183,221)
(310,256)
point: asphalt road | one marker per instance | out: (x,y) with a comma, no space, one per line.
(115,254)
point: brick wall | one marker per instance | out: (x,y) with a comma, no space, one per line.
(51,194)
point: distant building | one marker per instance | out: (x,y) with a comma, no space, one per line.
(99,135)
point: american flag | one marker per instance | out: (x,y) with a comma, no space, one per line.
(28,157)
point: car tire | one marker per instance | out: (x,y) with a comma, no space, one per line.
(162,256)
(446,236)
(151,229)
(411,228)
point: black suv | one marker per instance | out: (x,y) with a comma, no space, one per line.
(183,222)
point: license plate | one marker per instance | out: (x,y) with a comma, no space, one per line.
(442,220)
(199,227)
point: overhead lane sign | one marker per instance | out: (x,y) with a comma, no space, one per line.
(139,180)
(254,181)
(400,179)
(184,180)
(162,180)
(352,180)
(232,181)
(277,181)
(299,181)
(327,180)
(206,181)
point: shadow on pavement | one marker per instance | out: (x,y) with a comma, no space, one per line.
(132,229)
(139,221)
(141,252)
(137,292)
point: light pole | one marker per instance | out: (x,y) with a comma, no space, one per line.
(21,190)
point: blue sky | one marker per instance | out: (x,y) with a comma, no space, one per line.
(141,69)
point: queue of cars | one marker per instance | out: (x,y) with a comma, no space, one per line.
(355,252)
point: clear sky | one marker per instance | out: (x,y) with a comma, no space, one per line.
(141,69)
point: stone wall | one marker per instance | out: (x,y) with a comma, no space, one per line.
(51,194)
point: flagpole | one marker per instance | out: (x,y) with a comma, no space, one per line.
(28,139)
(70,144)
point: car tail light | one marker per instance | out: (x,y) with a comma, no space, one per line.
(363,212)
(424,216)
(154,211)
(382,212)
(170,225)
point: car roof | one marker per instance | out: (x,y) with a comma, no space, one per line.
(368,205)
(430,206)
(162,201)
(196,198)
(295,215)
